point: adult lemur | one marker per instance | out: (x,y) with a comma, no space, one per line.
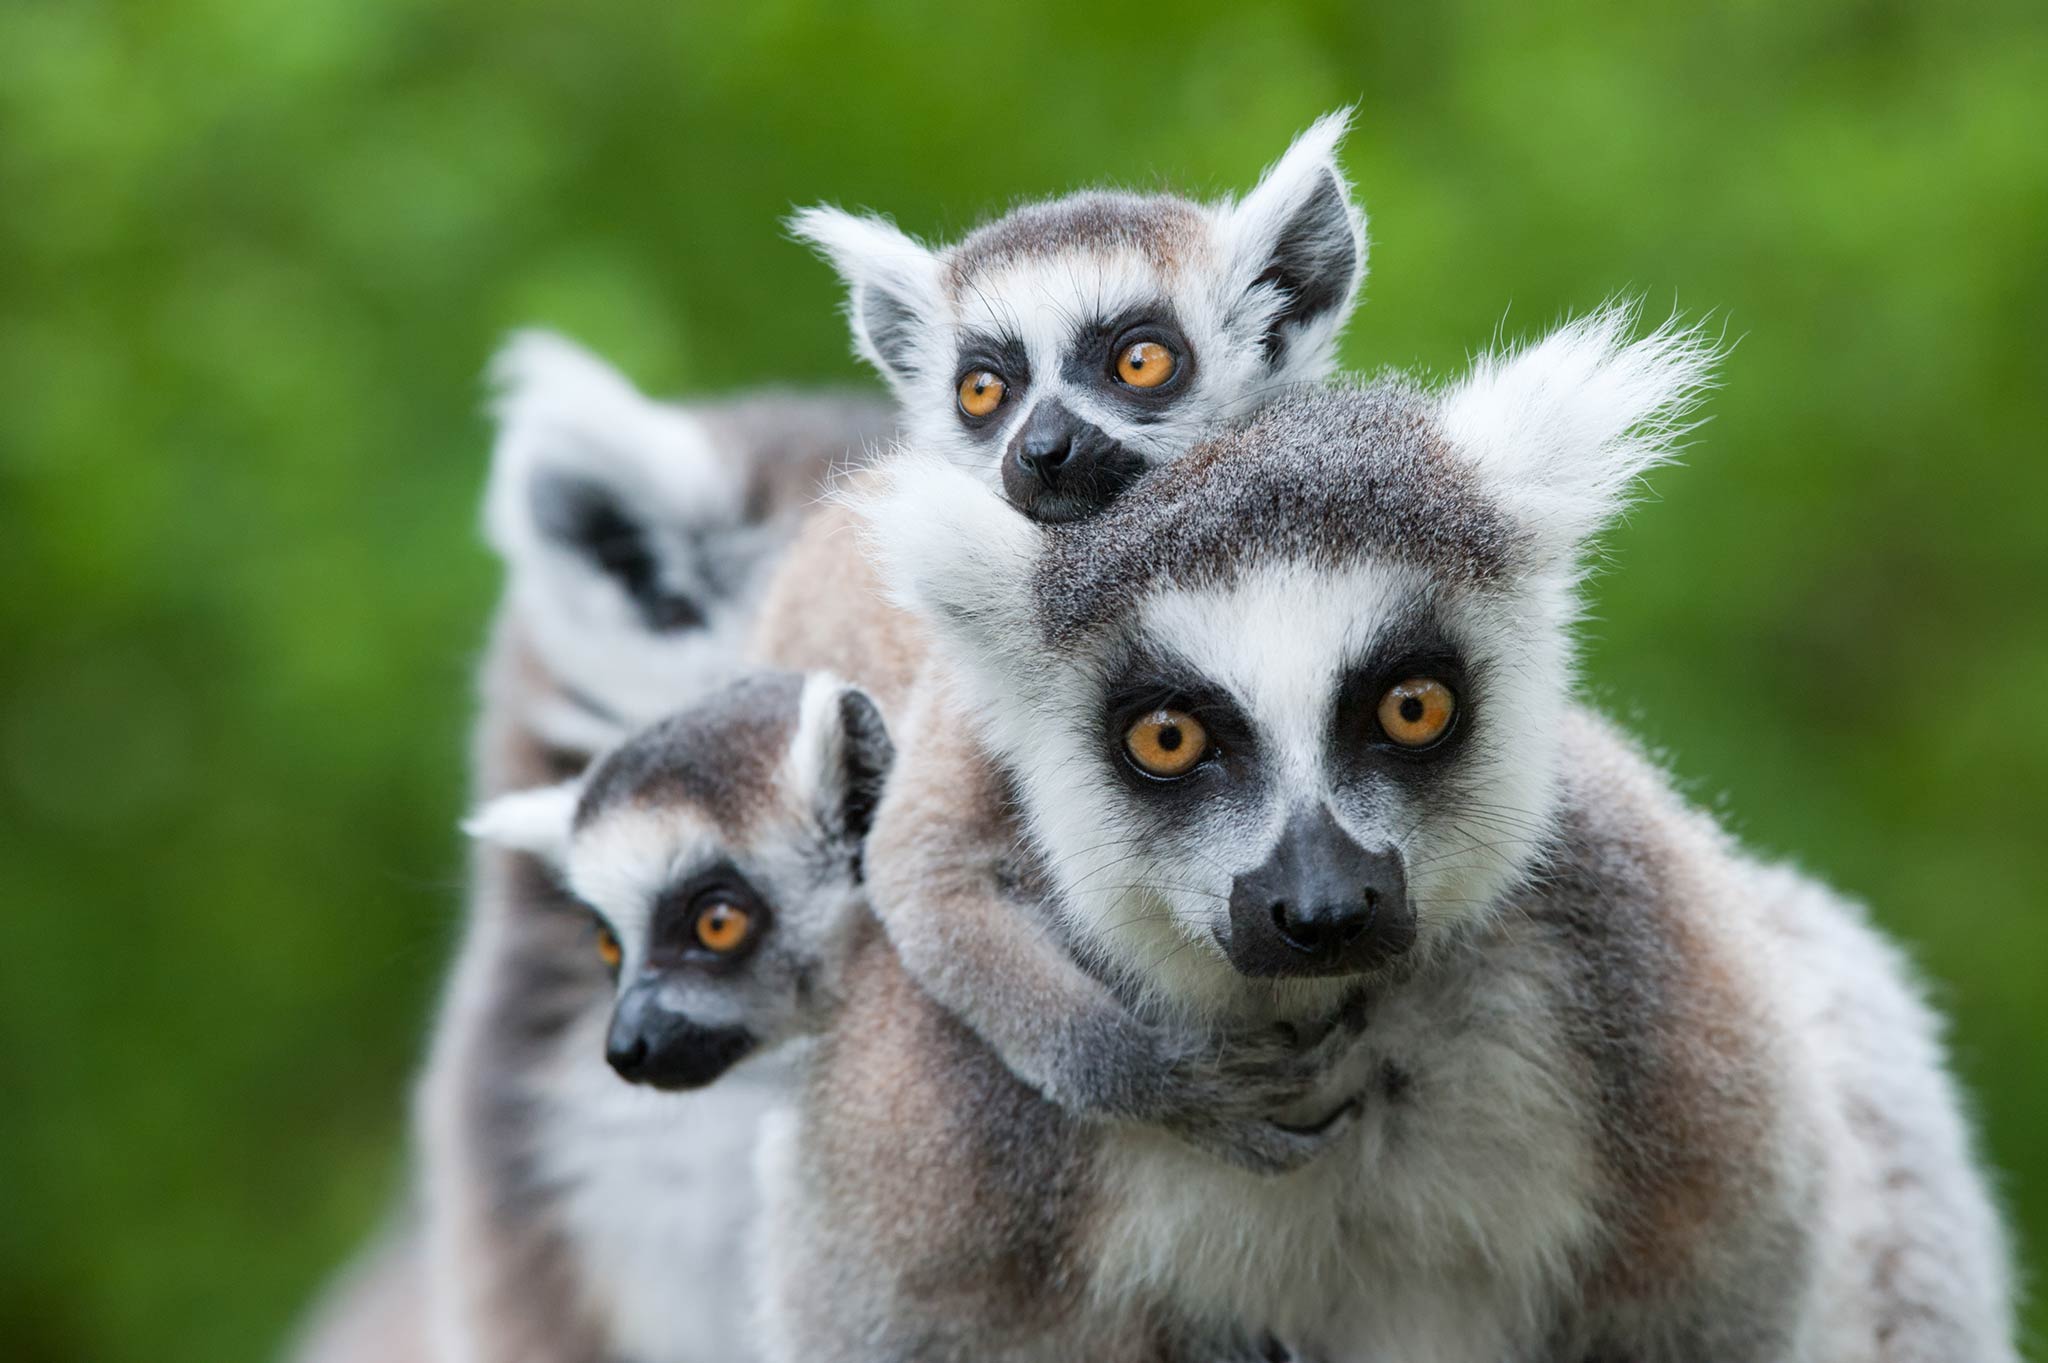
(629,576)
(637,536)
(1292,718)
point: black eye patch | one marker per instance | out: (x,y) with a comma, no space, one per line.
(1359,744)
(1146,685)
(1002,355)
(1091,357)
(674,940)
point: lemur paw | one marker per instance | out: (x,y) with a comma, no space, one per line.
(1233,1095)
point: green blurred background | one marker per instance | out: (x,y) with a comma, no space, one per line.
(253,257)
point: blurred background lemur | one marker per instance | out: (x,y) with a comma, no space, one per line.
(1059,351)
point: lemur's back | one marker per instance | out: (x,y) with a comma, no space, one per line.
(1921,1260)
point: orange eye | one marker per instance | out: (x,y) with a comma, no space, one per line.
(608,949)
(981,392)
(1166,743)
(724,927)
(1147,364)
(1417,712)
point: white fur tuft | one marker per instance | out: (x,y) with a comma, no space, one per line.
(564,414)
(1564,427)
(815,754)
(892,282)
(1264,231)
(538,821)
(558,404)
(952,551)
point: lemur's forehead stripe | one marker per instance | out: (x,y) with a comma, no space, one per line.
(1157,226)
(1323,476)
(721,755)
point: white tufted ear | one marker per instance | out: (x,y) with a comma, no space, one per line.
(892,284)
(841,756)
(953,552)
(1297,249)
(575,437)
(538,821)
(586,477)
(1560,429)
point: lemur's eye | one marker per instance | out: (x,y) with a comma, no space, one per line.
(981,392)
(1417,712)
(723,926)
(1147,364)
(608,949)
(1166,743)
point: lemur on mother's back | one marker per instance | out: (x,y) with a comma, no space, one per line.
(1096,335)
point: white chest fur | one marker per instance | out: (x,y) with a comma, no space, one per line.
(1434,1231)
(658,1197)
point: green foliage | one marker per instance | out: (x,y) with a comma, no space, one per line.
(253,257)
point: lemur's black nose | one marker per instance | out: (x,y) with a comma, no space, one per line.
(1059,467)
(627,1055)
(1325,928)
(1320,904)
(652,1044)
(1044,453)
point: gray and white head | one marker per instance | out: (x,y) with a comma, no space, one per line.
(1069,345)
(1288,712)
(629,544)
(720,850)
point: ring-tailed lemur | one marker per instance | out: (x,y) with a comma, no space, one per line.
(721,852)
(1294,716)
(637,535)
(1069,345)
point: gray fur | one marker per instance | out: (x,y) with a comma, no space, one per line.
(718,756)
(1632,1095)
(1321,476)
(964,898)
(1160,227)
(517,1114)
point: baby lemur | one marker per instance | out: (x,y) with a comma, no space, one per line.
(1293,718)
(720,852)
(1070,345)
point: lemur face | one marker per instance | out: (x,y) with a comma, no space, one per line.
(1069,346)
(1289,712)
(720,853)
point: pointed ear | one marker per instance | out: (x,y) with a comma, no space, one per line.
(892,285)
(537,821)
(586,473)
(843,753)
(1561,429)
(1296,249)
(953,552)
